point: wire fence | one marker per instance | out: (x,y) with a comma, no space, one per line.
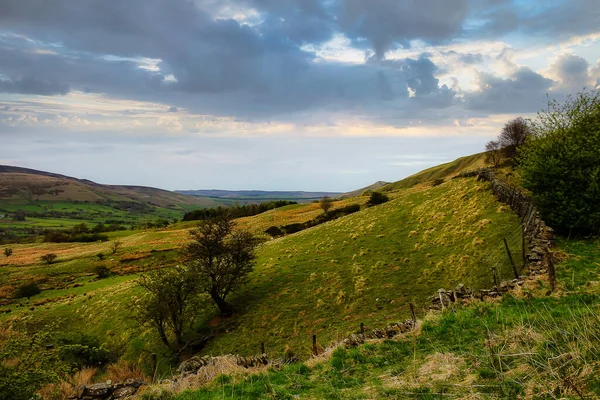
(506,259)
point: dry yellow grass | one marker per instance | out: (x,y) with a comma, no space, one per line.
(123,370)
(64,389)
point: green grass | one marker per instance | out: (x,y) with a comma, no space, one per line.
(87,212)
(443,171)
(368,267)
(581,269)
(489,351)
(534,348)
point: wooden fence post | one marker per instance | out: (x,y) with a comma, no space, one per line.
(314,345)
(512,262)
(262,348)
(412,314)
(362,328)
(523,250)
(495,275)
(551,271)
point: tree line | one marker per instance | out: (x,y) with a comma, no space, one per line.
(235,211)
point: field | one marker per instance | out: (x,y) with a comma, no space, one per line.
(362,268)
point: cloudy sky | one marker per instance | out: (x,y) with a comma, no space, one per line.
(277,94)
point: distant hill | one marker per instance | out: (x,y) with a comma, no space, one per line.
(23,184)
(358,192)
(257,196)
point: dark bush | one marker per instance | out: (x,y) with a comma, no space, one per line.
(102,271)
(274,231)
(377,198)
(437,182)
(293,228)
(68,236)
(235,212)
(27,290)
(48,258)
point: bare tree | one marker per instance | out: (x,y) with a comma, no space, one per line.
(168,303)
(493,153)
(221,258)
(115,246)
(48,258)
(326,203)
(514,134)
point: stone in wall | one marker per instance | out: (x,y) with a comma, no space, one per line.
(107,390)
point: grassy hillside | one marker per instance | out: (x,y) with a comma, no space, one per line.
(52,201)
(442,171)
(528,345)
(365,267)
(368,266)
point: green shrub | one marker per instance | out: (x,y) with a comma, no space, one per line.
(102,271)
(27,290)
(48,258)
(274,231)
(377,198)
(8,251)
(81,355)
(561,165)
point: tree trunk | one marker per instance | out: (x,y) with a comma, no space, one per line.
(163,337)
(224,307)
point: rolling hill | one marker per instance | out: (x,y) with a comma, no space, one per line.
(28,185)
(362,268)
(443,171)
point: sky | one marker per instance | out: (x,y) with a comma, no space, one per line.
(328,95)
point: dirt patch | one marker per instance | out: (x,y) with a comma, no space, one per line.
(217,320)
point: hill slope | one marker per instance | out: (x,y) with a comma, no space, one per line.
(23,184)
(368,266)
(443,171)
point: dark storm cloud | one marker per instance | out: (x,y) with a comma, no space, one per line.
(387,22)
(522,92)
(219,65)
(301,21)
(549,20)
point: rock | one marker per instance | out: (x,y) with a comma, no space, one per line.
(124,392)
(354,340)
(134,382)
(191,366)
(97,390)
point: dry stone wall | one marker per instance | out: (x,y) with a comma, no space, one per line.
(107,390)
